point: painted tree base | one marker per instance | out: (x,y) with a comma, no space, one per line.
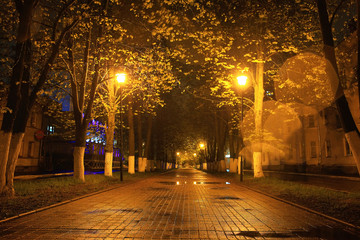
(108,164)
(222,166)
(239,165)
(233,165)
(258,172)
(15,147)
(131,167)
(141,164)
(204,166)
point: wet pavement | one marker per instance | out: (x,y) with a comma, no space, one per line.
(180,204)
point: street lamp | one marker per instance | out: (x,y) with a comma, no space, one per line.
(242,82)
(203,164)
(121,78)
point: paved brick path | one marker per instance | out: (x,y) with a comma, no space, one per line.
(181,204)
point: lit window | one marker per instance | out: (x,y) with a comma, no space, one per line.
(50,129)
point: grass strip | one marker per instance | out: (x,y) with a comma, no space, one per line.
(38,193)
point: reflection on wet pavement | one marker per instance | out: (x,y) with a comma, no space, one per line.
(179,204)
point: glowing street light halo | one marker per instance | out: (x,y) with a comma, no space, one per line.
(242,80)
(120,77)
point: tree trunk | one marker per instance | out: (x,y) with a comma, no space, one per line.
(239,157)
(358,52)
(20,122)
(141,160)
(233,160)
(131,161)
(148,144)
(25,11)
(347,121)
(79,150)
(221,153)
(5,139)
(19,88)
(258,108)
(109,147)
(15,147)
(79,168)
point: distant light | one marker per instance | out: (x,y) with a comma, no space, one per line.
(227,183)
(227,155)
(269,93)
(242,80)
(202,145)
(185,182)
(178,154)
(177,183)
(120,77)
(194,183)
(194,154)
(227,170)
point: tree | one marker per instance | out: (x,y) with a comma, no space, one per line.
(25,86)
(110,96)
(85,62)
(347,121)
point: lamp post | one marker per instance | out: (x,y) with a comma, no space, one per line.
(202,150)
(242,82)
(120,78)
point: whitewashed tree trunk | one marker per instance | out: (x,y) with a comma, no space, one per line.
(79,168)
(109,131)
(5,139)
(258,109)
(232,167)
(131,167)
(222,166)
(257,165)
(141,164)
(108,164)
(15,146)
(204,166)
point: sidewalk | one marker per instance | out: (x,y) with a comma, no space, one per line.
(180,204)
